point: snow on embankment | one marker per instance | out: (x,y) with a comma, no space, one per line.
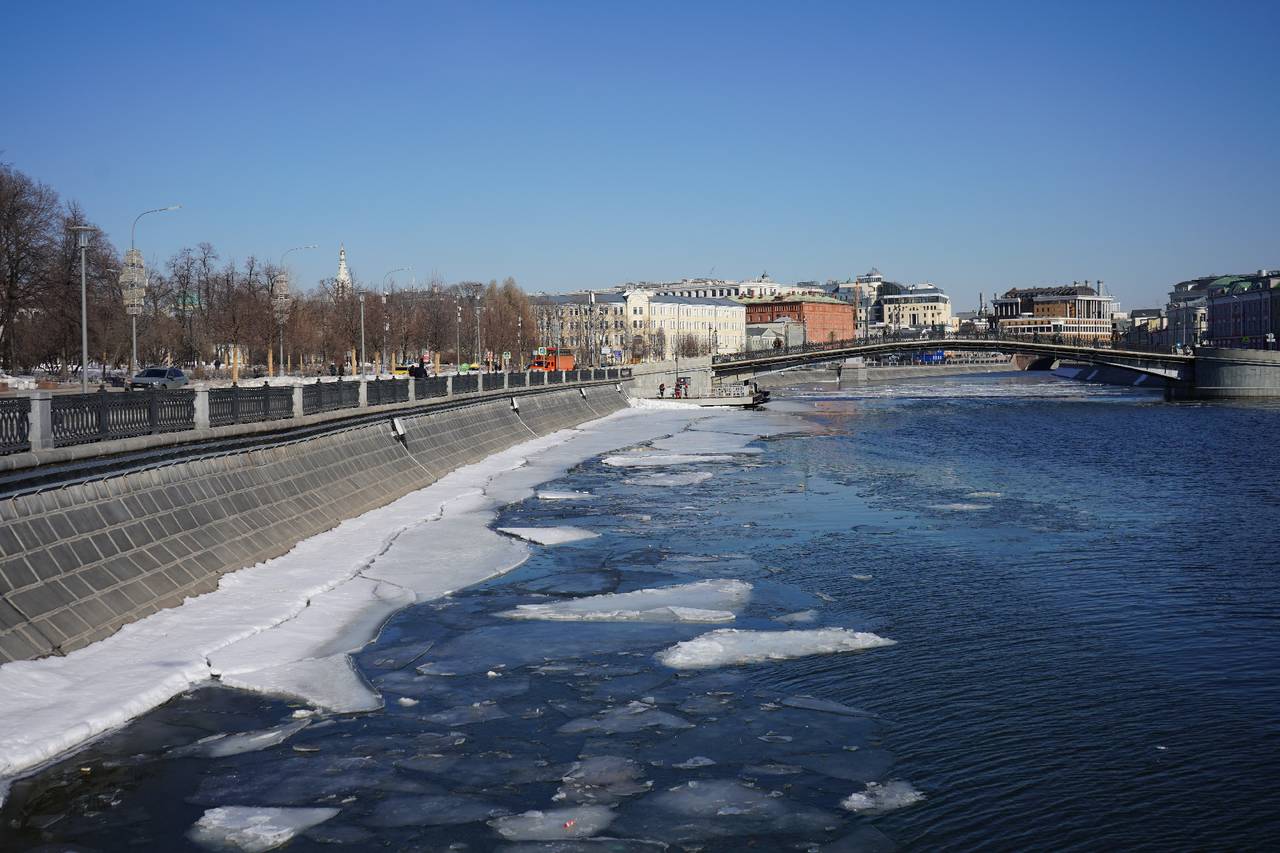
(305,610)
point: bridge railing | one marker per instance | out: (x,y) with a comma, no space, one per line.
(44,421)
(907,341)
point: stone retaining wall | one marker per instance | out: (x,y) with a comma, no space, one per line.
(79,561)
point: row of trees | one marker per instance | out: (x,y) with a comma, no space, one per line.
(201,309)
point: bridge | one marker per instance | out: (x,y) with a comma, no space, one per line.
(1207,373)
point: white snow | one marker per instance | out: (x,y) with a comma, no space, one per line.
(549,535)
(325,597)
(576,822)
(703,601)
(554,495)
(878,797)
(253,829)
(729,646)
(960,507)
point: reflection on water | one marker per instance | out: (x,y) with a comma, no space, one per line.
(1081,598)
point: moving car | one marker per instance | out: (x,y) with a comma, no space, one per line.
(159,377)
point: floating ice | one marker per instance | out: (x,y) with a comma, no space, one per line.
(602,779)
(549,535)
(220,746)
(577,822)
(984,494)
(632,717)
(330,683)
(553,495)
(798,616)
(298,780)
(663,460)
(703,601)
(729,646)
(406,702)
(601,844)
(692,478)
(446,810)
(696,761)
(253,829)
(960,507)
(479,712)
(877,797)
(863,578)
(719,808)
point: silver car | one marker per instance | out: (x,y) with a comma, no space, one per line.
(159,377)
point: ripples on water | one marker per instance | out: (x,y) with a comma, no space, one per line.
(1079,580)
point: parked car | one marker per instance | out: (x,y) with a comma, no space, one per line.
(159,377)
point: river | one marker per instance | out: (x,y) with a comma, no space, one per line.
(1078,582)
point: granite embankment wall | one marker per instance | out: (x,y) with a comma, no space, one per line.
(83,557)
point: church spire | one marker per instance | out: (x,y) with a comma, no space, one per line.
(342,282)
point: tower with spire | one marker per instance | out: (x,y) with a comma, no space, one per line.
(342,281)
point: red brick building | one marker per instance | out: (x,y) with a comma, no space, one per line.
(825,319)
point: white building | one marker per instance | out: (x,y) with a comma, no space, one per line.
(342,281)
(705,325)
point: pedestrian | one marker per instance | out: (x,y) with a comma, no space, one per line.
(662,389)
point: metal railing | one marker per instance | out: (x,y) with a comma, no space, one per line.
(237,405)
(380,392)
(330,396)
(437,386)
(100,416)
(15,424)
(71,419)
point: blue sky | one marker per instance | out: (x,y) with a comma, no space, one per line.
(977,145)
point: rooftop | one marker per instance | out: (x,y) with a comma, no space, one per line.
(791,298)
(1063,290)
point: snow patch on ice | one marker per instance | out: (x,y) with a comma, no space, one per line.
(703,601)
(878,797)
(553,495)
(577,822)
(222,745)
(253,829)
(730,646)
(549,535)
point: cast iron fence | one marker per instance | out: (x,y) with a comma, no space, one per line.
(330,396)
(101,416)
(466,383)
(237,405)
(382,391)
(436,386)
(15,421)
(517,380)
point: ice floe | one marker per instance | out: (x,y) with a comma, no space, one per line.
(603,779)
(559,495)
(701,601)
(549,535)
(254,829)
(432,810)
(222,745)
(882,797)
(632,717)
(960,507)
(984,494)
(663,460)
(330,683)
(578,822)
(729,646)
(669,480)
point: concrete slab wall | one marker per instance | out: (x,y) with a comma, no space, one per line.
(79,561)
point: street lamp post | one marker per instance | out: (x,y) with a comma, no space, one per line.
(82,240)
(361,297)
(457,334)
(520,343)
(280,299)
(133,281)
(386,321)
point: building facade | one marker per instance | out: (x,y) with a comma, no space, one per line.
(593,326)
(1244,310)
(1075,312)
(661,324)
(918,306)
(776,335)
(825,319)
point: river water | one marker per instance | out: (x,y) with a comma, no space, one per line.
(1079,582)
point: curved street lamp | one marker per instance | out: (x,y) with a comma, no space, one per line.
(133,282)
(280,299)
